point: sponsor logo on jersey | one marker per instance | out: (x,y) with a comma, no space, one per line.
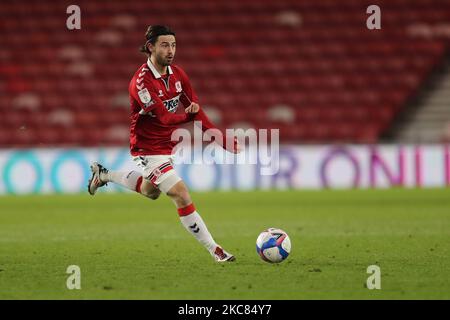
(172,104)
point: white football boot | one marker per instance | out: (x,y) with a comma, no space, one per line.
(222,256)
(95,181)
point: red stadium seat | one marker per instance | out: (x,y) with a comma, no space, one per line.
(343,83)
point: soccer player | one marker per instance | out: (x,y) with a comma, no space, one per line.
(156,90)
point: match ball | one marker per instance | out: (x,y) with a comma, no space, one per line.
(273,245)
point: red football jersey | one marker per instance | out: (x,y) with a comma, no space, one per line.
(154,100)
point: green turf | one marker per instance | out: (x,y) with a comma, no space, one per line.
(129,247)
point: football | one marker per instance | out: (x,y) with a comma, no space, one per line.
(273,245)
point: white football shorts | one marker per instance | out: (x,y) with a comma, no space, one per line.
(158,169)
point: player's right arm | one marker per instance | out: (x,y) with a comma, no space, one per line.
(148,100)
(166,117)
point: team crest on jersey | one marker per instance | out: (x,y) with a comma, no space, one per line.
(178,86)
(144,95)
(160,94)
(157,173)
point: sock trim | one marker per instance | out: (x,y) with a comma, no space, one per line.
(185,211)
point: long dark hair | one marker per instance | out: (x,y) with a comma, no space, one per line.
(152,34)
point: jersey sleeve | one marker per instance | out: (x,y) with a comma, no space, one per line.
(228,142)
(148,100)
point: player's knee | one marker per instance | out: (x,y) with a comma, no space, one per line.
(154,195)
(180,194)
(183,198)
(151,194)
(149,191)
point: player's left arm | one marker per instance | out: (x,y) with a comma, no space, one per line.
(190,99)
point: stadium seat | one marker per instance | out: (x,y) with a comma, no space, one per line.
(339,82)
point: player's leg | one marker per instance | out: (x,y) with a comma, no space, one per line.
(193,222)
(132,180)
(161,176)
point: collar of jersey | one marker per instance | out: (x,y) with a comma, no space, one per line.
(155,72)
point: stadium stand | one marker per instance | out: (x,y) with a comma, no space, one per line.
(310,68)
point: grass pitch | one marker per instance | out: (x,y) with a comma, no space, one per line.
(128,247)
